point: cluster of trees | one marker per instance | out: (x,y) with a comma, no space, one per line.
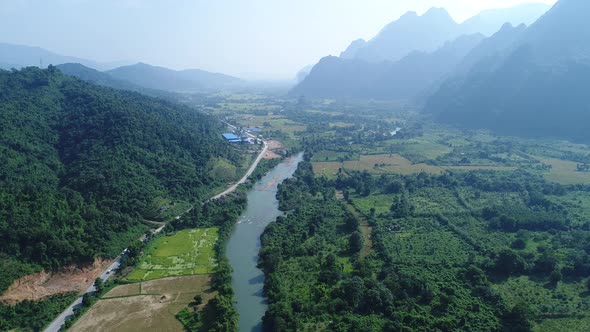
(82,165)
(313,277)
(33,315)
(314,274)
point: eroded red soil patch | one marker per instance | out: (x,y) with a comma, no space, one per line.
(38,286)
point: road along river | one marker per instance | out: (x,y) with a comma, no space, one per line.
(244,244)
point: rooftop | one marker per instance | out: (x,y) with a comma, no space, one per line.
(230,136)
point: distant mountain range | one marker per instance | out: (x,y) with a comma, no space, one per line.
(387,80)
(410,33)
(96,77)
(138,77)
(19,56)
(408,55)
(430,31)
(160,78)
(530,81)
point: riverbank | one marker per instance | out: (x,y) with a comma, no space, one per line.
(244,244)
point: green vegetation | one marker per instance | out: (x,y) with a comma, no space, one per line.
(218,314)
(184,253)
(82,166)
(468,230)
(466,260)
(33,316)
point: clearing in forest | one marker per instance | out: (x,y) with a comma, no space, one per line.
(326,168)
(145,306)
(364,227)
(389,163)
(185,253)
(565,172)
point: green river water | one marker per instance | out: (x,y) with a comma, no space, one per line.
(244,244)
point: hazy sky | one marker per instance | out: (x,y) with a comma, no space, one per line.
(260,39)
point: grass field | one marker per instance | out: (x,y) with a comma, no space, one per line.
(389,163)
(479,168)
(184,253)
(145,306)
(385,163)
(564,172)
(124,290)
(328,169)
(326,155)
(269,123)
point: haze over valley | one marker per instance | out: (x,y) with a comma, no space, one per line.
(233,166)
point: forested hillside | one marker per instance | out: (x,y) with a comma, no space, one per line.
(81,167)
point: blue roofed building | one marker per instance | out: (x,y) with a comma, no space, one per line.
(230,137)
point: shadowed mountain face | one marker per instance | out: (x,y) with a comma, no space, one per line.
(160,78)
(535,86)
(341,78)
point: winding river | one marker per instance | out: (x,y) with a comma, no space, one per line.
(244,244)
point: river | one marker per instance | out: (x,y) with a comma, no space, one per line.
(244,244)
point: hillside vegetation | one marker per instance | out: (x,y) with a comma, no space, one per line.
(82,166)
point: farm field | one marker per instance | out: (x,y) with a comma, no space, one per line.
(479,168)
(564,172)
(184,253)
(145,306)
(376,164)
(389,163)
(326,168)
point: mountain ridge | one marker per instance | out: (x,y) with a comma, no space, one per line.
(161,78)
(20,56)
(429,31)
(403,79)
(535,88)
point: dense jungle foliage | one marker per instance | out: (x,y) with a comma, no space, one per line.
(449,252)
(81,166)
(31,315)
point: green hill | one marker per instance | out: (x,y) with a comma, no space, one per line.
(82,165)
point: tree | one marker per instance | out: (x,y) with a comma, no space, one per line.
(402,207)
(198,300)
(519,244)
(355,242)
(86,302)
(353,291)
(517,320)
(555,277)
(508,262)
(98,284)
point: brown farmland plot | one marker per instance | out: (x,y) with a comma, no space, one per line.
(153,309)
